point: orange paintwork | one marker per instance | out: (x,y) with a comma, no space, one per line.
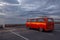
(46,25)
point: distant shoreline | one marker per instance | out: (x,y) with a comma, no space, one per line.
(57,22)
(14,25)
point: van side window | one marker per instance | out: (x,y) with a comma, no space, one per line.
(33,20)
(28,20)
(40,20)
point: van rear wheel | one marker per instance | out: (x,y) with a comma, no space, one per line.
(50,31)
(41,30)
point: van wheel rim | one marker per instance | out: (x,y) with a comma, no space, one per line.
(41,29)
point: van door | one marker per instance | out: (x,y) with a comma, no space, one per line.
(33,23)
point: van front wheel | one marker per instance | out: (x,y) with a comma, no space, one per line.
(28,27)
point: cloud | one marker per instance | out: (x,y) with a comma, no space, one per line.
(30,5)
(2,14)
(2,4)
(51,7)
(9,9)
(10,1)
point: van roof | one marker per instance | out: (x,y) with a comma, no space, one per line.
(41,17)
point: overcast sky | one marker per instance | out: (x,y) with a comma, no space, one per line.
(23,8)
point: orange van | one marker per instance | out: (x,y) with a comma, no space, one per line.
(42,24)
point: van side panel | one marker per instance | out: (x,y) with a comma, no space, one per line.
(38,25)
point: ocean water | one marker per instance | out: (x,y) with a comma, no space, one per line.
(15,21)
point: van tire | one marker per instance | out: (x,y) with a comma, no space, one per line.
(41,30)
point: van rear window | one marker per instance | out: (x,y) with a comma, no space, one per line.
(50,20)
